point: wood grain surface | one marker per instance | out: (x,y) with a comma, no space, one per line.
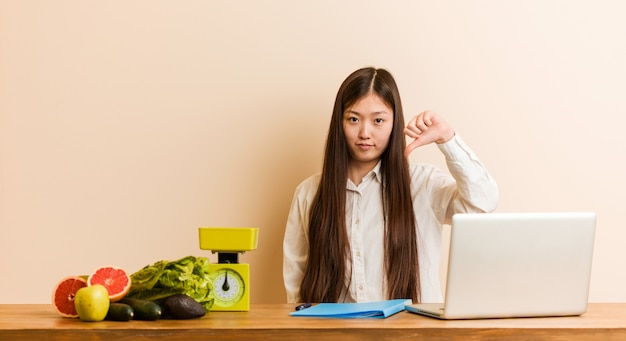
(603,321)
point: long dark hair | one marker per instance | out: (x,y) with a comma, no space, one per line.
(328,270)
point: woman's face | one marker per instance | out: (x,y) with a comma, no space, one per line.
(367,125)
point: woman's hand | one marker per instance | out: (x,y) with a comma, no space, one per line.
(425,128)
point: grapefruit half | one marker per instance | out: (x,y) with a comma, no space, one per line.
(63,295)
(115,279)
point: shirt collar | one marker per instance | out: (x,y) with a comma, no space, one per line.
(373,174)
(376,172)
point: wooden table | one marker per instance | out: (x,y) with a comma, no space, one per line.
(272,322)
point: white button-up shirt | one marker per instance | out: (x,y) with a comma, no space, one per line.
(436,195)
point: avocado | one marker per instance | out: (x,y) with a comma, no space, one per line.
(182,307)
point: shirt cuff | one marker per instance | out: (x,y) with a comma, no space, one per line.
(456,149)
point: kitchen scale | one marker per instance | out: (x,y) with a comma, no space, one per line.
(231,279)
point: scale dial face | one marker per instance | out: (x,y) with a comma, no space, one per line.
(228,287)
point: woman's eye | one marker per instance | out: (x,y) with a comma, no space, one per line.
(353,119)
(378,120)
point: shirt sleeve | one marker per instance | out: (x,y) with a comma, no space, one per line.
(295,242)
(476,191)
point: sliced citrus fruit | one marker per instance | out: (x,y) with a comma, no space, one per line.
(115,279)
(63,295)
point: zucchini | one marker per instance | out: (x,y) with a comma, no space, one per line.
(119,312)
(143,310)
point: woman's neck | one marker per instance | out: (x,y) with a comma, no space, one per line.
(358,170)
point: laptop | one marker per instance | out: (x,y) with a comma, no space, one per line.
(505,265)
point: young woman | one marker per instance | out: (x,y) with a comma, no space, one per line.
(368,227)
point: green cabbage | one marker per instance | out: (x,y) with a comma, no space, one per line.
(189,276)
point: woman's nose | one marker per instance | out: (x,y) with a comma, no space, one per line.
(364,132)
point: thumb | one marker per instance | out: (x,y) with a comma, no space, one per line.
(412,146)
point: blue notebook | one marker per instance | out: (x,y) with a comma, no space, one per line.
(381,309)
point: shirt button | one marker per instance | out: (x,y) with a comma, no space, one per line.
(358,254)
(360,287)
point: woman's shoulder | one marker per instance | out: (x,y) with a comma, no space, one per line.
(309,184)
(422,173)
(416,168)
(306,190)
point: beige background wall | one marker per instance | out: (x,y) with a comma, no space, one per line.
(126,125)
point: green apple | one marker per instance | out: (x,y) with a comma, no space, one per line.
(92,303)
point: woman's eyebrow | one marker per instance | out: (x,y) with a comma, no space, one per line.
(382,112)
